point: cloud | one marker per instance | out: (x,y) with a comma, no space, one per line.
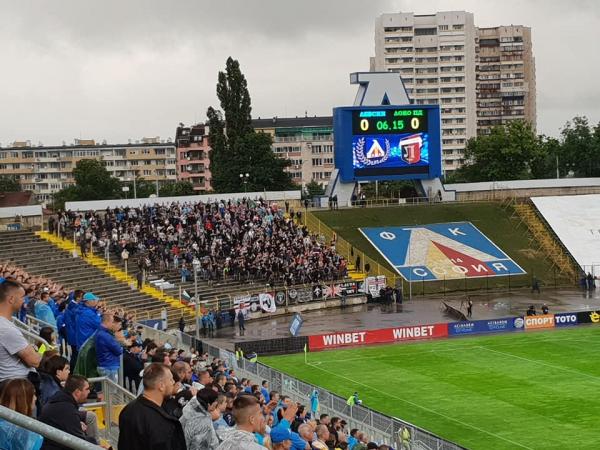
(116,70)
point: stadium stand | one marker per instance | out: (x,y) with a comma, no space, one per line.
(239,246)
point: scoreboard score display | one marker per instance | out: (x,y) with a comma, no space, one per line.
(387,142)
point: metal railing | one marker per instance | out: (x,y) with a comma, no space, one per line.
(31,336)
(380,427)
(115,399)
(48,432)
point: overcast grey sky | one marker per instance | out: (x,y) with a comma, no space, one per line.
(116,70)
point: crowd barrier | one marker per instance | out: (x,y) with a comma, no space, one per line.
(452,329)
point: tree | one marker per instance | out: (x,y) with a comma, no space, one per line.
(68,194)
(93,181)
(580,149)
(235,147)
(9,184)
(177,189)
(313,189)
(507,153)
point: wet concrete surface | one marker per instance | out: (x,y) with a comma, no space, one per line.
(412,312)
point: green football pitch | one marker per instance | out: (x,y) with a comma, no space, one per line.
(526,390)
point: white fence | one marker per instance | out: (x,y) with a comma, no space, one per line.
(96,205)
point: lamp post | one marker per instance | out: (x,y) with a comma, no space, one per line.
(134,186)
(244,179)
(196,266)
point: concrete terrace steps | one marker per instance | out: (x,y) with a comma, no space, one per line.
(39,257)
(117,274)
(205,291)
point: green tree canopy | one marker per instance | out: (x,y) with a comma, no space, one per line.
(9,184)
(313,189)
(92,182)
(235,147)
(176,189)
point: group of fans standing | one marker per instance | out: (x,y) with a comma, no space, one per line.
(246,240)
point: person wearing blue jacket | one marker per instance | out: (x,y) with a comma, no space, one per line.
(43,311)
(108,349)
(70,319)
(87,320)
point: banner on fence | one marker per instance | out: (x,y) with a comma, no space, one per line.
(372,285)
(348,288)
(300,295)
(485,326)
(253,303)
(385,335)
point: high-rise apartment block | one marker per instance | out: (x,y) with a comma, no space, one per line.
(45,170)
(435,56)
(505,77)
(479,77)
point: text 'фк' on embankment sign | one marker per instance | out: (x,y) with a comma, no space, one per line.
(442,251)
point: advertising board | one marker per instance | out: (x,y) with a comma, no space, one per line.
(565,319)
(485,326)
(384,335)
(536,322)
(588,317)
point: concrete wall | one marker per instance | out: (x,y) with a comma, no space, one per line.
(138,202)
(499,190)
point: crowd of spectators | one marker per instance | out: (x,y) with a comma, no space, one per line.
(244,240)
(186,400)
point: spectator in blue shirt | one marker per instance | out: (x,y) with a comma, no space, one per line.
(70,320)
(265,391)
(43,311)
(25,308)
(108,348)
(88,319)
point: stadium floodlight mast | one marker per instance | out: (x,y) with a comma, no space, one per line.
(244,178)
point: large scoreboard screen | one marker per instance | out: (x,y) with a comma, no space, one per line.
(387,142)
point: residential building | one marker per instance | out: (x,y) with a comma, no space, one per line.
(193,156)
(505,77)
(435,56)
(45,170)
(306,141)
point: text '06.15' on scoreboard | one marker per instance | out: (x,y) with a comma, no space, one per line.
(387,142)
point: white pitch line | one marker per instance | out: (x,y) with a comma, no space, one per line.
(422,407)
(535,361)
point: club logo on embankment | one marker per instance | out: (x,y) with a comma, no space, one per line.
(441,251)
(519,322)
